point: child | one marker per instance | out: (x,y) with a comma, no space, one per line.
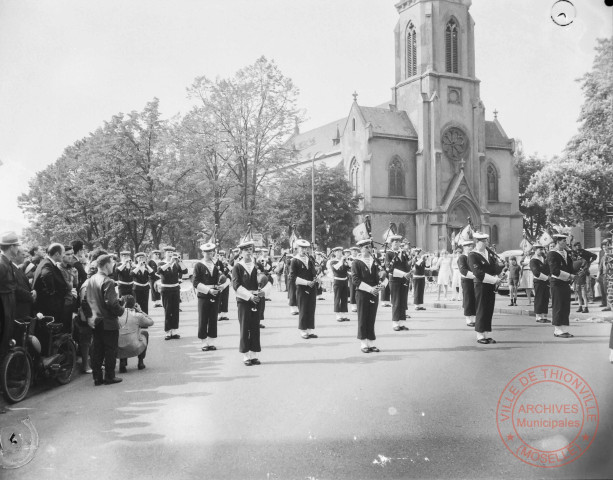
(514,274)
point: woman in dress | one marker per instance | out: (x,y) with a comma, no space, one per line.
(456,283)
(444,273)
(526,280)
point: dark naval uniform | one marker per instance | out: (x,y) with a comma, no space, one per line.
(540,272)
(123,279)
(484,268)
(140,280)
(397,266)
(306,297)
(208,308)
(153,277)
(245,284)
(419,281)
(468,286)
(560,268)
(224,295)
(8,284)
(170,274)
(365,278)
(340,272)
(291,284)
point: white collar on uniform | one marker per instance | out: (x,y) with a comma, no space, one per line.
(368,261)
(247,266)
(483,254)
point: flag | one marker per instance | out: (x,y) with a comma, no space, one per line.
(293,237)
(361,232)
(247,237)
(214,236)
(545,239)
(465,234)
(388,233)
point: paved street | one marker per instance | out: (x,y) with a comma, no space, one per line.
(425,407)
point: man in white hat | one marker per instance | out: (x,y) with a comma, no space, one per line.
(224,295)
(170,273)
(483,266)
(248,297)
(562,275)
(9,249)
(141,275)
(154,263)
(419,279)
(540,273)
(354,254)
(123,272)
(365,275)
(302,272)
(397,266)
(468,284)
(206,283)
(340,269)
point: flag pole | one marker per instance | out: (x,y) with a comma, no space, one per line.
(313,201)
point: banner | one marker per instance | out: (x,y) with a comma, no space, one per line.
(361,232)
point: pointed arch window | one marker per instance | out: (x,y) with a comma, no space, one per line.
(411,51)
(492,184)
(354,172)
(396,178)
(451,46)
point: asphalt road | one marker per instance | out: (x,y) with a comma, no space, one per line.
(425,407)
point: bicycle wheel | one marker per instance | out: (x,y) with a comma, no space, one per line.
(67,360)
(15,375)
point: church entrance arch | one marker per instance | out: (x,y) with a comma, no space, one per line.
(457,217)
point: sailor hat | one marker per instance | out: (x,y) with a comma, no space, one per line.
(480,236)
(125,252)
(207,247)
(395,238)
(245,244)
(559,236)
(468,242)
(140,254)
(302,243)
(363,243)
(169,249)
(336,249)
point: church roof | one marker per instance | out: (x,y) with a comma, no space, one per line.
(318,141)
(495,136)
(388,123)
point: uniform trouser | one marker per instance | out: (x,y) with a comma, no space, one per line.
(249,322)
(385,294)
(223,300)
(141,357)
(66,317)
(7,316)
(398,293)
(307,300)
(367,313)
(207,317)
(261,308)
(341,292)
(419,284)
(485,298)
(560,304)
(124,290)
(105,349)
(468,297)
(541,297)
(155,296)
(291,293)
(602,280)
(170,300)
(141,295)
(352,290)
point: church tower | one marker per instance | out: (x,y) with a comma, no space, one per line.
(435,84)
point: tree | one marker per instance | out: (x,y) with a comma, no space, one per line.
(577,187)
(253,113)
(535,216)
(335,205)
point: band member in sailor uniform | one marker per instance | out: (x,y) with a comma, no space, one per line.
(264,267)
(141,276)
(385,296)
(397,266)
(340,268)
(123,274)
(561,276)
(365,273)
(291,286)
(302,272)
(206,282)
(170,272)
(355,254)
(419,280)
(540,272)
(154,263)
(224,295)
(468,284)
(483,266)
(248,296)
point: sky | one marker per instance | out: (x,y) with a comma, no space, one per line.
(66,66)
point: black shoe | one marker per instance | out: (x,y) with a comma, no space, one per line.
(158,306)
(483,341)
(510,304)
(585,310)
(295,313)
(312,335)
(248,362)
(255,361)
(262,325)
(374,349)
(212,347)
(141,366)
(580,310)
(180,310)
(340,319)
(365,349)
(397,329)
(123,369)
(168,337)
(111,381)
(563,335)
(491,340)
(176,336)
(268,300)
(471,324)
(98,383)
(404,328)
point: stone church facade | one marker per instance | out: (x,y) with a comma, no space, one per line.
(427,159)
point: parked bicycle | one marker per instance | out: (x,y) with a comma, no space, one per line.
(38,350)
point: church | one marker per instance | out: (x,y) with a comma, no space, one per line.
(426,160)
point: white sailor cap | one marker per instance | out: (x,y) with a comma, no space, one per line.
(207,247)
(468,242)
(169,249)
(336,249)
(302,243)
(246,244)
(125,252)
(559,236)
(140,254)
(480,236)
(394,238)
(363,243)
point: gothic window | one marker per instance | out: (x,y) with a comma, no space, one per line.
(353,175)
(353,125)
(396,178)
(411,51)
(494,235)
(451,46)
(492,184)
